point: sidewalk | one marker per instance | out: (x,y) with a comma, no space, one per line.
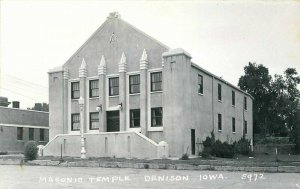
(289,164)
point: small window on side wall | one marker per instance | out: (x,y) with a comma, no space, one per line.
(233,98)
(245,127)
(42,134)
(19,133)
(219,122)
(233,125)
(31,133)
(200,84)
(219,92)
(245,103)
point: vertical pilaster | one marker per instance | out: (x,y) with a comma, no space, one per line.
(66,100)
(122,91)
(144,92)
(83,80)
(102,95)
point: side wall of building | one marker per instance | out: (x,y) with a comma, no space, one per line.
(9,140)
(13,118)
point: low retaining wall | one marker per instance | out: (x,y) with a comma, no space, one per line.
(113,144)
(271,148)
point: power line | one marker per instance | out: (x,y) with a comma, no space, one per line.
(5,89)
(25,82)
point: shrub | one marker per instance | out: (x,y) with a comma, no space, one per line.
(31,150)
(206,153)
(223,150)
(185,156)
(209,141)
(297,146)
(242,146)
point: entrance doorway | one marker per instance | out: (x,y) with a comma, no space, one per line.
(113,121)
(193,141)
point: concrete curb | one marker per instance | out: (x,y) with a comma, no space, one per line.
(182,166)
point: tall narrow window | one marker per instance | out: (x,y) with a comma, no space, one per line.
(31,133)
(42,135)
(75,93)
(156,117)
(200,84)
(94,120)
(233,98)
(219,122)
(113,86)
(245,127)
(75,122)
(233,125)
(134,118)
(245,103)
(156,81)
(19,133)
(134,84)
(94,88)
(219,92)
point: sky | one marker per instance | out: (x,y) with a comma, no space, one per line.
(222,37)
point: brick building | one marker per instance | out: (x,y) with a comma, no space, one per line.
(18,126)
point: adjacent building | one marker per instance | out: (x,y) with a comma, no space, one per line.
(130,92)
(18,126)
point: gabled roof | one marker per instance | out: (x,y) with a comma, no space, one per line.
(114,37)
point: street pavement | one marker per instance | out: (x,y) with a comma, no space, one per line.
(46,177)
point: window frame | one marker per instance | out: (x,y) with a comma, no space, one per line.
(92,89)
(113,87)
(156,116)
(219,92)
(30,133)
(94,120)
(20,136)
(132,118)
(77,121)
(73,90)
(152,83)
(134,84)
(200,85)
(220,122)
